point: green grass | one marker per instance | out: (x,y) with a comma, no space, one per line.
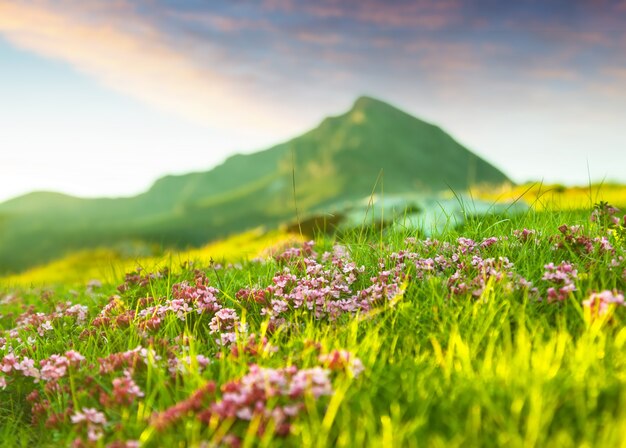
(440,370)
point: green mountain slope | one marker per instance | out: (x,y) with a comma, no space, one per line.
(340,160)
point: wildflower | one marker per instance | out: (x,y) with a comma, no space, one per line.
(201,296)
(78,311)
(27,367)
(342,359)
(603,244)
(562,276)
(315,380)
(466,245)
(195,402)
(9,363)
(46,326)
(129,359)
(488,242)
(524,234)
(125,390)
(600,303)
(183,365)
(93,284)
(572,238)
(227,339)
(93,419)
(53,368)
(224,320)
(252,294)
(89,415)
(74,357)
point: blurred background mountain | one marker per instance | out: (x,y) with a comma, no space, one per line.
(336,167)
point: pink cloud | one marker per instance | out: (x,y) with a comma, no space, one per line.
(565,34)
(319,38)
(425,14)
(554,74)
(440,58)
(222,23)
(421,14)
(618,73)
(124,52)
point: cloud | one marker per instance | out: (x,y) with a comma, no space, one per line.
(220,22)
(618,73)
(423,14)
(554,74)
(319,38)
(126,52)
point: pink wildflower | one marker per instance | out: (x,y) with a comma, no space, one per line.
(9,363)
(342,360)
(74,357)
(315,380)
(224,320)
(27,367)
(600,303)
(78,311)
(562,277)
(125,390)
(93,419)
(53,368)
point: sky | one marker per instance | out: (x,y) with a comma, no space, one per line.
(102,97)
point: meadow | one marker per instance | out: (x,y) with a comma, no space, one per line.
(506,331)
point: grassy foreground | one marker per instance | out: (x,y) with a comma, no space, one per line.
(508,332)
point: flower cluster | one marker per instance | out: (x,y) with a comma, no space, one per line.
(573,238)
(249,398)
(125,390)
(294,253)
(93,420)
(562,277)
(342,360)
(605,215)
(600,303)
(199,298)
(51,369)
(195,403)
(41,323)
(12,365)
(269,397)
(185,364)
(55,367)
(128,359)
(136,279)
(467,267)
(326,289)
(526,235)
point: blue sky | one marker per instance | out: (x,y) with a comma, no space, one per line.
(103,97)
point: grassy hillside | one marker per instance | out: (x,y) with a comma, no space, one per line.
(555,197)
(340,160)
(110,264)
(506,332)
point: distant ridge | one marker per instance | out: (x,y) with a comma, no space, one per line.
(340,160)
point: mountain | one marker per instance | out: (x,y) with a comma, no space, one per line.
(339,161)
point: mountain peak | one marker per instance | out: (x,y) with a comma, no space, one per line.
(367,108)
(368,102)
